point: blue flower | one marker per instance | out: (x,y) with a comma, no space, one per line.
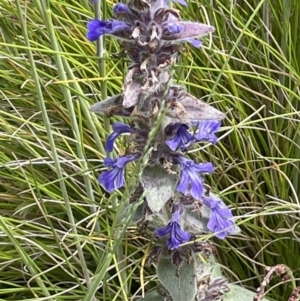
(121,8)
(96,28)
(118,129)
(114,178)
(207,129)
(174,28)
(177,236)
(182,138)
(221,219)
(191,182)
(188,31)
(182,2)
(196,43)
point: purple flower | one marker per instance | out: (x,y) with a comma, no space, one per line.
(196,43)
(190,30)
(220,220)
(174,28)
(207,129)
(181,136)
(177,236)
(191,182)
(121,8)
(114,178)
(96,28)
(182,2)
(118,129)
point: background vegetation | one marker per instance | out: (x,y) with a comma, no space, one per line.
(57,227)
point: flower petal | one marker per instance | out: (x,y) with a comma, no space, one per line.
(190,180)
(177,235)
(161,232)
(196,43)
(181,136)
(123,160)
(96,28)
(221,219)
(174,28)
(118,129)
(121,8)
(207,129)
(114,178)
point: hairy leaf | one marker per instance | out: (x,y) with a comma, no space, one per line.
(238,293)
(112,106)
(189,30)
(180,284)
(159,186)
(152,296)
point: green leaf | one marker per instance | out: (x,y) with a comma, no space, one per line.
(209,267)
(109,105)
(194,223)
(127,209)
(159,186)
(238,293)
(152,296)
(139,213)
(182,287)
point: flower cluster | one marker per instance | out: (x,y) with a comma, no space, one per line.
(180,137)
(151,33)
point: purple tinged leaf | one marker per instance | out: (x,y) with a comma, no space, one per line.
(114,178)
(188,109)
(190,30)
(177,235)
(111,106)
(137,87)
(174,28)
(221,219)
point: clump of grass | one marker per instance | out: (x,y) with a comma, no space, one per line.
(59,235)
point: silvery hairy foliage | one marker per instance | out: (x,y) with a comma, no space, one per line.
(178,210)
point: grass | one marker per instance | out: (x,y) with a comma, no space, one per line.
(60,239)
